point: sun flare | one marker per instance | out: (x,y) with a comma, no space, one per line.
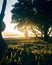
(11,32)
(9,29)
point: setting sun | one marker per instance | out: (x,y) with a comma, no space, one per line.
(25,32)
(11,32)
(9,29)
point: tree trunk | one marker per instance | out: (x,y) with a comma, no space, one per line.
(46,35)
(2,43)
(3,46)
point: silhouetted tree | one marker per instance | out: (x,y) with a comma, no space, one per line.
(2,27)
(37,11)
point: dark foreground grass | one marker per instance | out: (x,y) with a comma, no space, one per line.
(27,53)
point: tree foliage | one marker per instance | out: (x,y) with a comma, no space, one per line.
(39,12)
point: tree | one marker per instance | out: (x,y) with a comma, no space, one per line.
(2,27)
(36,11)
(28,26)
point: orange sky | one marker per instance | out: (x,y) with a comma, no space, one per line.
(10,34)
(15,34)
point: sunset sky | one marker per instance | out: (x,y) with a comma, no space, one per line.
(7,19)
(9,30)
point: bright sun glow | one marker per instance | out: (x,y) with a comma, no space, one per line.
(9,26)
(10,31)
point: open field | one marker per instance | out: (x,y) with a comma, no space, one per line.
(27,51)
(23,39)
(36,45)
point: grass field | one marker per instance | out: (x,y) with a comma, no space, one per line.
(27,51)
(37,45)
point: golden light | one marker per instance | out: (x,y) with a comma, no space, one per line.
(11,32)
(10,27)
